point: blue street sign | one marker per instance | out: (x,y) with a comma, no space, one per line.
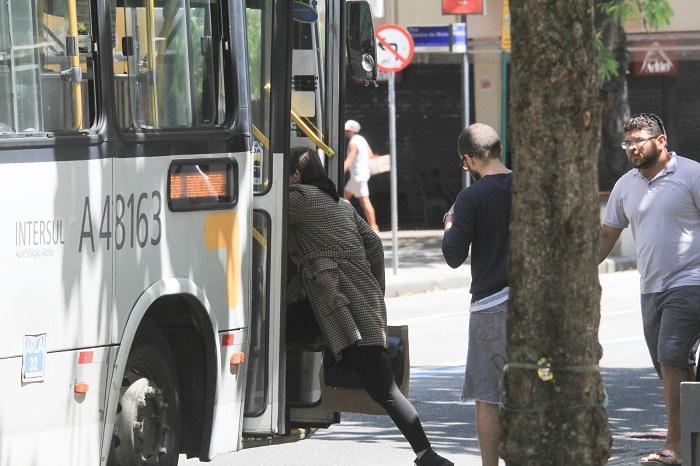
(449,38)
(430,37)
(459,38)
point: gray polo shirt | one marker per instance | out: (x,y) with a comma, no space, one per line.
(664,214)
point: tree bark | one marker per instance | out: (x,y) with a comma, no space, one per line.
(612,162)
(554,311)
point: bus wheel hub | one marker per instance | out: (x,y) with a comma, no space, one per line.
(142,428)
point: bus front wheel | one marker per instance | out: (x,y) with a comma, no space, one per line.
(147,426)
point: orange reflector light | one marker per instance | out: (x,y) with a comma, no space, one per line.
(227,340)
(85,357)
(237,358)
(198,185)
(80,388)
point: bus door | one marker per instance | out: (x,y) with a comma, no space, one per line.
(267,57)
(342,30)
(314,72)
(55,179)
(283,389)
(274,64)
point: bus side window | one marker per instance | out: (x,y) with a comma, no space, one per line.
(168,64)
(259,34)
(46,66)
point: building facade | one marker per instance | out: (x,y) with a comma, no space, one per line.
(663,78)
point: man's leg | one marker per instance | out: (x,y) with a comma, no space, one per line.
(678,332)
(351,189)
(368,210)
(672,378)
(489,432)
(485,360)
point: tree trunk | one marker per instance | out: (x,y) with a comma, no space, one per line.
(612,162)
(554,311)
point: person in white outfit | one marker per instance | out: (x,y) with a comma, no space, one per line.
(357,163)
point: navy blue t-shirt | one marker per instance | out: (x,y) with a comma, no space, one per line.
(481,219)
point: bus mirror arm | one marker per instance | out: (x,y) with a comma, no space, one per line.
(361,45)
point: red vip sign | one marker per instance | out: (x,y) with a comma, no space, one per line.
(462,7)
(656,58)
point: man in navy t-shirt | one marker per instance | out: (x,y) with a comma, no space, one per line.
(480,218)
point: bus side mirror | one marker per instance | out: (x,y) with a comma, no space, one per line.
(362,48)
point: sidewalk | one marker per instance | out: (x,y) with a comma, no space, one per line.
(422,268)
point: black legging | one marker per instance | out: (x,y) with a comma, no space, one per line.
(374,370)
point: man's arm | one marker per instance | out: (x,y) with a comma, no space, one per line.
(350,156)
(459,234)
(449,218)
(608,238)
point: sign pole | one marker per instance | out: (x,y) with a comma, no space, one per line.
(394,53)
(394,178)
(466,178)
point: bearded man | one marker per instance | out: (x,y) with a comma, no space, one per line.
(659,198)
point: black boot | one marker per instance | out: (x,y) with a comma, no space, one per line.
(430,458)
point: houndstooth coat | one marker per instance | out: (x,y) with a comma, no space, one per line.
(339,263)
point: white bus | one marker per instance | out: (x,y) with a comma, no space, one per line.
(142,165)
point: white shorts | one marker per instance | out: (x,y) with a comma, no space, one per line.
(357,188)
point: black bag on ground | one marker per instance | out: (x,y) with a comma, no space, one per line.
(342,374)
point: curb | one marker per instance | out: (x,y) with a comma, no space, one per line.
(422,268)
(617,264)
(431,278)
(396,287)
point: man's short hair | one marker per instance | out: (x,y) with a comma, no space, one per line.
(645,121)
(480,141)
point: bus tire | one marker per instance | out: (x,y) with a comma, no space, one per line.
(147,427)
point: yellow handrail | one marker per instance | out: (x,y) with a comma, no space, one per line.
(259,237)
(261,137)
(151,47)
(311,135)
(77,97)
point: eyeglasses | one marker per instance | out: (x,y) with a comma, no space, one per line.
(638,143)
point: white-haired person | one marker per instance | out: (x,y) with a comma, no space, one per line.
(357,163)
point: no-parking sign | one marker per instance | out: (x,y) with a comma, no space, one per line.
(394,48)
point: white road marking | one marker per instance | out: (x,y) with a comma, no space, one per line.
(621,313)
(428,317)
(617,341)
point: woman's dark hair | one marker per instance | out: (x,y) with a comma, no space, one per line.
(305,161)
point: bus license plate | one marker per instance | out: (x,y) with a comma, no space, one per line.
(34,358)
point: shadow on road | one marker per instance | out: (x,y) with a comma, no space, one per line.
(635,409)
(435,393)
(635,412)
